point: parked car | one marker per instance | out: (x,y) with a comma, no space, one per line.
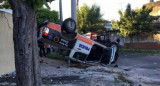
(80,48)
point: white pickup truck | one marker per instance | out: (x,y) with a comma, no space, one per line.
(79,47)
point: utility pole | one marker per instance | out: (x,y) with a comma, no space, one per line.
(77,2)
(60,11)
(73,10)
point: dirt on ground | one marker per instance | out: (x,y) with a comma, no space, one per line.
(60,73)
(132,70)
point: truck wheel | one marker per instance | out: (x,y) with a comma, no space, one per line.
(68,29)
(69,25)
(115,46)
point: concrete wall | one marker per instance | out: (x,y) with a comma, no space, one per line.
(144,38)
(148,42)
(7,64)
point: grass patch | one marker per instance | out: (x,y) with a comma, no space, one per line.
(123,79)
(140,51)
(55,56)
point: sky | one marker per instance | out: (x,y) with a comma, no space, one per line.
(109,8)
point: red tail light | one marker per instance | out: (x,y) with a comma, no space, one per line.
(45,31)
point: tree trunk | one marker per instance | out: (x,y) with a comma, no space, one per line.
(131,43)
(25,44)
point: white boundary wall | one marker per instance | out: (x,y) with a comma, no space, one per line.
(7,64)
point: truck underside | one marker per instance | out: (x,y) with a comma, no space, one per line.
(80,48)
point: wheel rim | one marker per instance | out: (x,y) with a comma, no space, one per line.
(114,47)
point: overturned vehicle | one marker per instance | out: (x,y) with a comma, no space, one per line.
(80,48)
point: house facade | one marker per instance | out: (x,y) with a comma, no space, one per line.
(156,7)
(148,41)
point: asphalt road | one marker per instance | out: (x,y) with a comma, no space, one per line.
(148,61)
(142,69)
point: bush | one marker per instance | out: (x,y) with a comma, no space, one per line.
(46,14)
(55,56)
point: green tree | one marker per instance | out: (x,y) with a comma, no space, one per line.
(25,41)
(4,4)
(43,14)
(89,19)
(134,22)
(82,19)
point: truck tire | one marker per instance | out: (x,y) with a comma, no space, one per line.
(115,46)
(69,25)
(68,31)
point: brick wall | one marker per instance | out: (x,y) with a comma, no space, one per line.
(146,46)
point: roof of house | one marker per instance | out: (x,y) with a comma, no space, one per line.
(6,10)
